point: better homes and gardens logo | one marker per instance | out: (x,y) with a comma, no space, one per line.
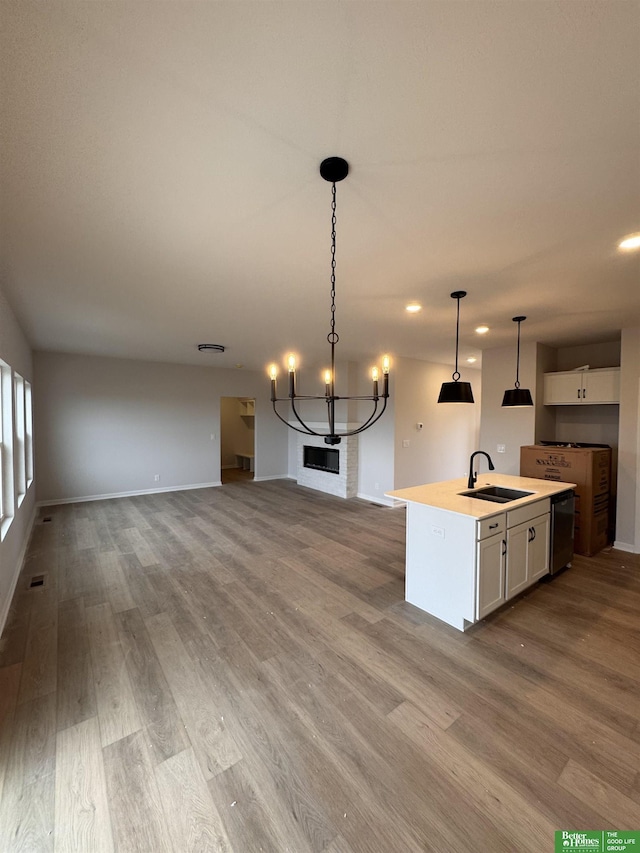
(605,841)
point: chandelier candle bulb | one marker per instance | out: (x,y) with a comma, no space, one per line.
(374,376)
(327,383)
(273,373)
(291,363)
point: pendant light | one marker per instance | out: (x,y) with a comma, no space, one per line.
(517,396)
(333,170)
(456,391)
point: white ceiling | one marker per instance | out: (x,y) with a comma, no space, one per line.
(161,187)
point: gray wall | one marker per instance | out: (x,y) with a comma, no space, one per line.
(595,355)
(450,433)
(107,426)
(511,427)
(15,351)
(628,515)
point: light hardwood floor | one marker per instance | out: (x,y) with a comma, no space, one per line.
(235,669)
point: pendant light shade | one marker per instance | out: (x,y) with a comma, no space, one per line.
(515,397)
(456,391)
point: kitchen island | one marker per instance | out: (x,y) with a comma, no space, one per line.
(466,556)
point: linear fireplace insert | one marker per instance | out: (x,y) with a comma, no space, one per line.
(322,459)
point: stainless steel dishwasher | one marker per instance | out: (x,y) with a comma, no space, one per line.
(562,528)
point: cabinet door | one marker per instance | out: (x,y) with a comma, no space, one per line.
(602,387)
(517,547)
(562,389)
(490,574)
(538,550)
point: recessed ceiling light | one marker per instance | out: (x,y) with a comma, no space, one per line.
(630,243)
(482,330)
(472,360)
(413,308)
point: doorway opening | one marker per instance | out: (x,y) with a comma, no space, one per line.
(237,439)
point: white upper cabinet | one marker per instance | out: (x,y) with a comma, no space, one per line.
(582,387)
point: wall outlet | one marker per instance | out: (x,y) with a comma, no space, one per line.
(405,442)
(213,436)
(157,478)
(501,448)
(419,426)
(377,487)
(437,531)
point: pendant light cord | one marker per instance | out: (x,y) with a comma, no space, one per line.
(518,358)
(456,375)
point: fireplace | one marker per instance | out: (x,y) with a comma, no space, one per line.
(333,470)
(322,459)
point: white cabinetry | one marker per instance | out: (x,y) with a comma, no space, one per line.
(527,554)
(490,574)
(512,554)
(582,387)
(460,568)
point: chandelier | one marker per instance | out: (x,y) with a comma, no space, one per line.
(333,170)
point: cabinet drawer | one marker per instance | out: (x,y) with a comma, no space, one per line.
(527,512)
(492,525)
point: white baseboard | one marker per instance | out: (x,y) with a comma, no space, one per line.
(272,477)
(625,546)
(19,566)
(382,501)
(129,494)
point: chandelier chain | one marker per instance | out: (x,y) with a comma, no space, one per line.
(333,337)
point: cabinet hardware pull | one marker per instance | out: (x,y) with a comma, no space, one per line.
(491,526)
(504,547)
(531,535)
(578,393)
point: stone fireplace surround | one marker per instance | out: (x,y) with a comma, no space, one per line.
(343,484)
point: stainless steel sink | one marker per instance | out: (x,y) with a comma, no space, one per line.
(496,494)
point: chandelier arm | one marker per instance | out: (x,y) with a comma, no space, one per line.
(307,397)
(307,430)
(361,428)
(372,419)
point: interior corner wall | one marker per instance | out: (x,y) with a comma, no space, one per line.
(450,432)
(628,501)
(545,416)
(16,352)
(511,427)
(107,426)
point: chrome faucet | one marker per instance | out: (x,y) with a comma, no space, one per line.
(473,477)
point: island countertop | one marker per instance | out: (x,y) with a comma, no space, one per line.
(446,495)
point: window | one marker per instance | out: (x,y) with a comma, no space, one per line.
(28,438)
(20,455)
(6,449)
